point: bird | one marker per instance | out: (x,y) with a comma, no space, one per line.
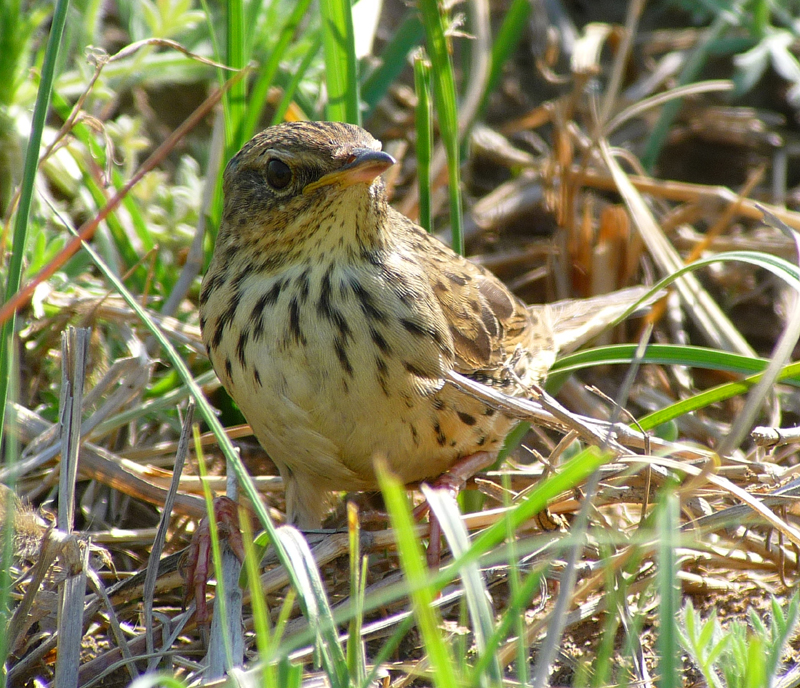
(332,320)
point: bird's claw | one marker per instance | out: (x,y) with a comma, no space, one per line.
(196,563)
(452,480)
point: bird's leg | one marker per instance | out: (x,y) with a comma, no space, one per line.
(196,563)
(453,480)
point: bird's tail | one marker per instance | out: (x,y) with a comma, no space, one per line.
(576,321)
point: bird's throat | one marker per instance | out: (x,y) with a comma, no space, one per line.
(345,222)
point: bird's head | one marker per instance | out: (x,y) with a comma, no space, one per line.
(295,178)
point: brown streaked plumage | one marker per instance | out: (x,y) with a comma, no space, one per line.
(331,319)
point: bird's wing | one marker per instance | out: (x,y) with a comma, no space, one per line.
(488,324)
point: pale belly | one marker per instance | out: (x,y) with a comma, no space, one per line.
(329,397)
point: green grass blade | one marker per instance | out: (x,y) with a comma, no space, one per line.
(13,35)
(297,578)
(212,35)
(7,534)
(153,405)
(216,548)
(266,75)
(253,9)
(444,88)
(669,354)
(424,125)
(341,67)
(571,474)
(691,69)
(784,627)
(513,620)
(781,268)
(711,396)
(393,61)
(669,603)
(158,681)
(291,88)
(258,604)
(515,23)
(315,605)
(515,614)
(355,647)
(658,354)
(446,510)
(423,593)
(235,100)
(614,595)
(387,650)
(26,193)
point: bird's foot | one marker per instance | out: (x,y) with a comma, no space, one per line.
(196,563)
(453,480)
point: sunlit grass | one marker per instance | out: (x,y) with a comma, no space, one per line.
(306,65)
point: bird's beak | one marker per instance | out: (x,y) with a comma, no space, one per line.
(363,167)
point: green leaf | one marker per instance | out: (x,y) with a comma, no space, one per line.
(268,71)
(712,396)
(444,87)
(423,593)
(669,594)
(341,67)
(311,596)
(14,273)
(316,607)
(236,98)
(393,61)
(515,23)
(356,662)
(424,126)
(444,507)
(697,58)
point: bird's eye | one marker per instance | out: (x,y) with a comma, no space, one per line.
(279,174)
